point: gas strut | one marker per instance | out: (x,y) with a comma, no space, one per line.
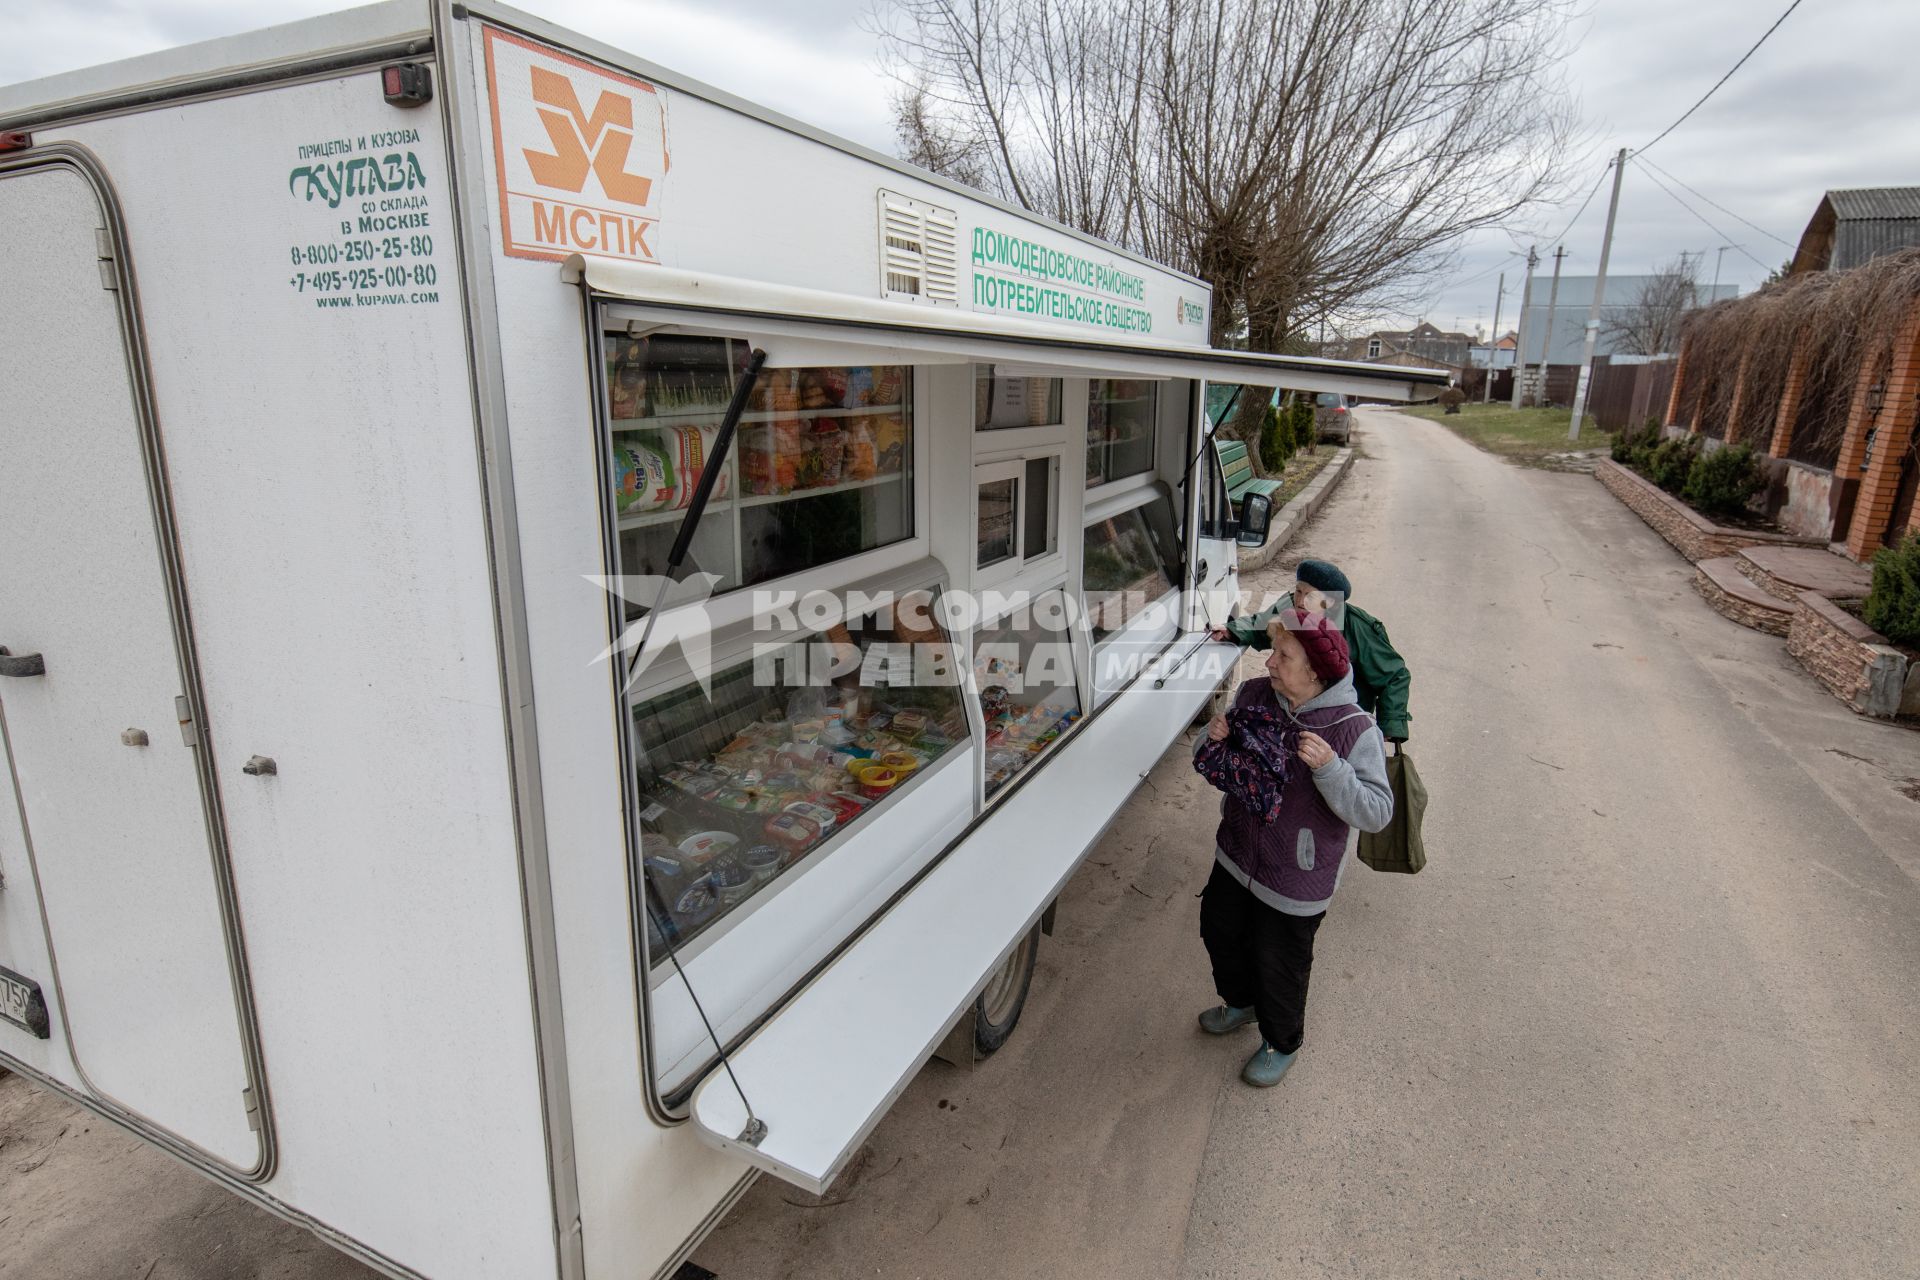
(703,490)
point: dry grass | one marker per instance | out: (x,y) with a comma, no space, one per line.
(1845,317)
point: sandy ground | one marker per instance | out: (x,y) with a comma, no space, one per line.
(1650,1011)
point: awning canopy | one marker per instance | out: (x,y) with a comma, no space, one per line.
(817,322)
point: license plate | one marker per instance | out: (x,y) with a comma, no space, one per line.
(21,1003)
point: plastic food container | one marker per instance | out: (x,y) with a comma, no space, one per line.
(696,906)
(818,814)
(791,831)
(703,847)
(877,781)
(763,862)
(732,882)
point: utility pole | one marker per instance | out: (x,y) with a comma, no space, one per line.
(1713,294)
(1486,395)
(1553,312)
(1599,295)
(1520,337)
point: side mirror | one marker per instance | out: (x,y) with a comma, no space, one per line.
(1256,513)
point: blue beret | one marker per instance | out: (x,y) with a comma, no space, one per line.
(1322,576)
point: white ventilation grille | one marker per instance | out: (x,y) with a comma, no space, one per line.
(919,252)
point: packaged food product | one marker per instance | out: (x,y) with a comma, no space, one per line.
(845,805)
(859,387)
(909,724)
(695,906)
(668,870)
(763,862)
(901,762)
(877,781)
(889,382)
(703,847)
(820,815)
(652,842)
(890,439)
(643,478)
(862,452)
(732,882)
(825,458)
(792,831)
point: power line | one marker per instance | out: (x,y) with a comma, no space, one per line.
(1722,208)
(1703,217)
(1723,79)
(1583,206)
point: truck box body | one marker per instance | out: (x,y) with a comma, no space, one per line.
(324,846)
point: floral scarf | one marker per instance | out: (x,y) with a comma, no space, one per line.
(1253,762)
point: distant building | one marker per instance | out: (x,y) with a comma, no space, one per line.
(1569,316)
(1501,355)
(1858,225)
(1435,347)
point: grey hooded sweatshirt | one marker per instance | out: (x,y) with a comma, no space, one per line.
(1294,863)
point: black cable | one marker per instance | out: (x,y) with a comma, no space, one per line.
(1703,217)
(1723,79)
(1722,208)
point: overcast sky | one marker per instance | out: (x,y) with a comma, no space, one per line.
(1830,101)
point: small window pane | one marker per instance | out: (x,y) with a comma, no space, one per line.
(1128,565)
(1024,670)
(822,467)
(1001,403)
(997,501)
(1039,521)
(1121,414)
(739,790)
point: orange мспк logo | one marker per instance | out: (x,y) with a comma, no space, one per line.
(580,154)
(599,142)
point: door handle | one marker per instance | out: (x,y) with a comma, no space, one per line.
(24,664)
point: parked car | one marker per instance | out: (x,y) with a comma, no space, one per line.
(1333,416)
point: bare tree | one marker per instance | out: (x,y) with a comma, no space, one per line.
(1649,325)
(1307,158)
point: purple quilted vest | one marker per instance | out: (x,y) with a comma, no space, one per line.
(1298,854)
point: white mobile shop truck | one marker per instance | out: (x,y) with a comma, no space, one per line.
(346,363)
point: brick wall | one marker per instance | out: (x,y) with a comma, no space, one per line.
(1846,655)
(1752,616)
(1692,535)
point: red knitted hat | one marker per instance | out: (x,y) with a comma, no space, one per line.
(1326,647)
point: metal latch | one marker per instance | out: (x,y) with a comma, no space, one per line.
(252,1104)
(189,732)
(103,246)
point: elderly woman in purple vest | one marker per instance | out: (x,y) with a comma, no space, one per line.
(1300,764)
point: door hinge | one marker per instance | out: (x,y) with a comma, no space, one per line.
(189,731)
(103,247)
(252,1104)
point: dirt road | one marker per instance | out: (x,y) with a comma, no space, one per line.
(1650,1011)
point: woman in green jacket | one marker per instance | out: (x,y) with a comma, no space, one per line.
(1380,677)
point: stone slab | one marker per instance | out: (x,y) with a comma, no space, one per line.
(1787,571)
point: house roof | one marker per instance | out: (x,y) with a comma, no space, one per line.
(1856,225)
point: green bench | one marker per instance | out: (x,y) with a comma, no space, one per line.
(1238,470)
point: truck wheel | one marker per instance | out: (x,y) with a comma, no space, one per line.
(997,1010)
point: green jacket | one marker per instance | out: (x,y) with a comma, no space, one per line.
(1380,676)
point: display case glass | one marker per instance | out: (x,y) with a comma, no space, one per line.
(1029,698)
(1127,564)
(1121,413)
(822,467)
(1003,403)
(744,786)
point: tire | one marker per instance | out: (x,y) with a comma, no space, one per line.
(997,1012)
